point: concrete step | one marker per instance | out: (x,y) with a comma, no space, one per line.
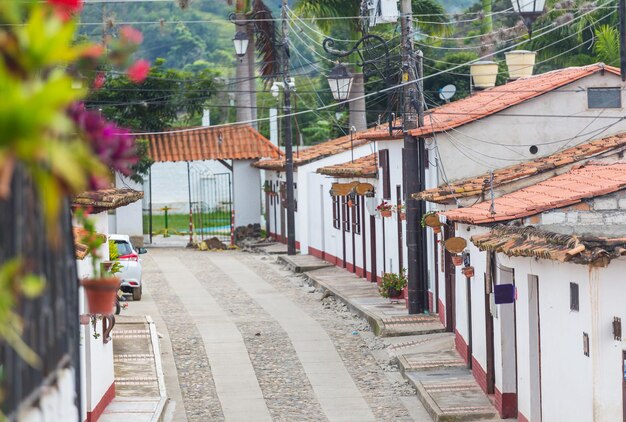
(451,395)
(303,263)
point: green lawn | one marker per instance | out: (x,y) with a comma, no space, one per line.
(180,222)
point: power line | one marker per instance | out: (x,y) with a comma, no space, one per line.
(402,84)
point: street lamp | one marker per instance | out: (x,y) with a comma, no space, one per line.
(340,82)
(529,10)
(241,41)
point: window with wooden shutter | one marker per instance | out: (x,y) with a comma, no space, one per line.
(336,211)
(573,297)
(383,159)
(356,217)
(345,214)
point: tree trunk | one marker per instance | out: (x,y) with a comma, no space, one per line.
(242,87)
(358,117)
(251,61)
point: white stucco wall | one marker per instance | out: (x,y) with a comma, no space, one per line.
(98,374)
(308,189)
(247,193)
(57,403)
(593,383)
(503,139)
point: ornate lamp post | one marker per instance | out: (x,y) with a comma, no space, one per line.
(340,81)
(376,65)
(282,51)
(241,42)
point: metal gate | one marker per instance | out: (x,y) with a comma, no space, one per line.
(212,206)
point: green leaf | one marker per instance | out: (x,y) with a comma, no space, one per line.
(32,286)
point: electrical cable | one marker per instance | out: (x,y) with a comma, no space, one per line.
(400,85)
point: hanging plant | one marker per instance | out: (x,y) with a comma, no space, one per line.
(384,208)
(430,219)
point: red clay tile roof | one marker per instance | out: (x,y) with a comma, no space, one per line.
(532,242)
(319,151)
(361,167)
(235,142)
(106,199)
(493,100)
(481,184)
(560,191)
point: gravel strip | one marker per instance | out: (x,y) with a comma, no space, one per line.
(382,395)
(285,386)
(194,372)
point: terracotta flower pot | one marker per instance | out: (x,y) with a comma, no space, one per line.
(393,293)
(386,213)
(468,272)
(101,293)
(457,260)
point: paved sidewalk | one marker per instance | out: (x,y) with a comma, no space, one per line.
(139,384)
(385,317)
(426,354)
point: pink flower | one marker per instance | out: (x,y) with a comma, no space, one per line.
(138,71)
(69,5)
(99,80)
(132,35)
(66,9)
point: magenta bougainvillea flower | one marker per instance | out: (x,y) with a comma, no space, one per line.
(113,145)
(66,9)
(138,71)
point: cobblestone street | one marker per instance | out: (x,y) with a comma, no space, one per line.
(251,341)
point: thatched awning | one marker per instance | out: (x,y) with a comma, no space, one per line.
(361,167)
(106,199)
(532,242)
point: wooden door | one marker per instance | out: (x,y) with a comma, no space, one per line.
(450,275)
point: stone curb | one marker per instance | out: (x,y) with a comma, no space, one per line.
(159,413)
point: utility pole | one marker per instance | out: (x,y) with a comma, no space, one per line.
(291,224)
(622,38)
(413,164)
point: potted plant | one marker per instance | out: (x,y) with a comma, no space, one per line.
(431,219)
(392,285)
(468,271)
(101,289)
(457,260)
(384,208)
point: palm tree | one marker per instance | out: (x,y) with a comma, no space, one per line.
(328,9)
(264,44)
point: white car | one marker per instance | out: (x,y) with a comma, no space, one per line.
(130,275)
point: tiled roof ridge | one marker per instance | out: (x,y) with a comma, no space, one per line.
(234,141)
(318,151)
(457,119)
(563,190)
(477,185)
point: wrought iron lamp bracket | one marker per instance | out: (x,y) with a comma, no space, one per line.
(370,66)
